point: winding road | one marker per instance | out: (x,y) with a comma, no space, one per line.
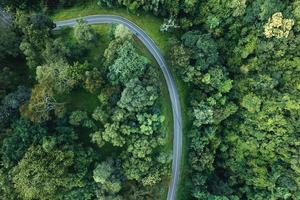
(154,50)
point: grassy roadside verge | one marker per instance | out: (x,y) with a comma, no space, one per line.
(183,92)
(186,122)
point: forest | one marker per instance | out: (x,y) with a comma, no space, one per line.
(77,124)
(76,127)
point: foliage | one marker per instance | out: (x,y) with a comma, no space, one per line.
(128,64)
(93,80)
(103,174)
(57,75)
(37,4)
(133,6)
(11,103)
(77,117)
(278,27)
(123,32)
(50,173)
(23,135)
(100,115)
(149,123)
(83,33)
(111,134)
(251,103)
(42,104)
(107,3)
(96,138)
(241,71)
(8,41)
(56,50)
(137,96)
(37,30)
(7,81)
(64,143)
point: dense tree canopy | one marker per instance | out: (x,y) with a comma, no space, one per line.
(11,102)
(8,41)
(91,127)
(128,64)
(70,132)
(136,96)
(37,30)
(241,69)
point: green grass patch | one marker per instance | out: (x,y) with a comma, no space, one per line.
(96,53)
(182,192)
(66,34)
(80,100)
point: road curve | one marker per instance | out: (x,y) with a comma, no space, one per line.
(154,50)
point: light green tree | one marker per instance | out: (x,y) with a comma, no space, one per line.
(78,117)
(83,33)
(123,32)
(128,64)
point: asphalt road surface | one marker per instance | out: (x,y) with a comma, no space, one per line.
(4,17)
(154,50)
